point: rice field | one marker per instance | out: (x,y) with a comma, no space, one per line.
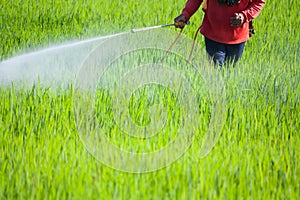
(257,155)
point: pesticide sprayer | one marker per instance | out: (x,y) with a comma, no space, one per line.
(175,40)
(155,27)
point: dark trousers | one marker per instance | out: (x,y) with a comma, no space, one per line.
(223,53)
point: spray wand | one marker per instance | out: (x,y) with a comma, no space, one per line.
(155,27)
(175,40)
(150,28)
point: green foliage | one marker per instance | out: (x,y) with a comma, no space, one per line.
(257,156)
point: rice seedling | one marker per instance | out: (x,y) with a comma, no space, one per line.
(257,155)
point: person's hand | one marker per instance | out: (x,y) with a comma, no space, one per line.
(180,21)
(237,20)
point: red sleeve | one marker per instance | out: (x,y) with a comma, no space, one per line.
(253,9)
(190,8)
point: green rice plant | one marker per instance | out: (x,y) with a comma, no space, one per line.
(256,157)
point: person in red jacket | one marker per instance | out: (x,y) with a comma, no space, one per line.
(225,25)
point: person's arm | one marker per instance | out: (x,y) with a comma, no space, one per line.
(253,10)
(190,8)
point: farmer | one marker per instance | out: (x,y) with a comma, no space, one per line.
(225,26)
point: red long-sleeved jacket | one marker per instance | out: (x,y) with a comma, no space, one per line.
(216,21)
